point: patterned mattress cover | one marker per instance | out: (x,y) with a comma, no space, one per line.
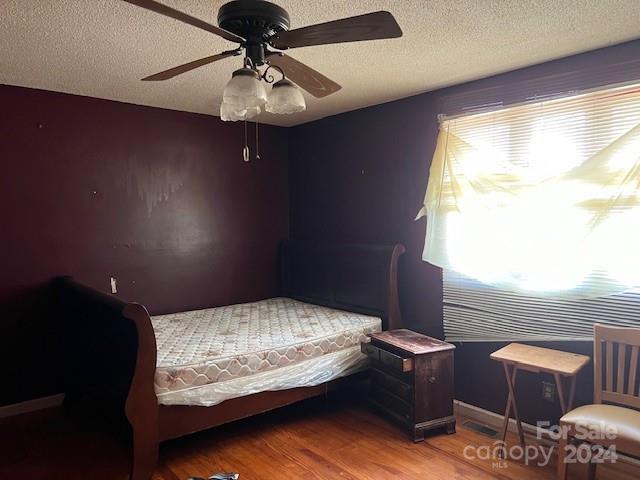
(202,347)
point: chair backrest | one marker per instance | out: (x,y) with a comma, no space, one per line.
(616,366)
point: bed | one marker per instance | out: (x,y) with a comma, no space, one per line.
(171,375)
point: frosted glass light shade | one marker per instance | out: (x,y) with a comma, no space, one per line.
(233,113)
(245,90)
(285,98)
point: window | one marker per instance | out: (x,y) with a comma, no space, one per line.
(533,212)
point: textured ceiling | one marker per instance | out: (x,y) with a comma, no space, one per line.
(101,48)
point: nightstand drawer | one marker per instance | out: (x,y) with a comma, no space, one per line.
(392,384)
(391,404)
(390,360)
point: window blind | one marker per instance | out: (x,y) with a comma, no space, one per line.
(477,312)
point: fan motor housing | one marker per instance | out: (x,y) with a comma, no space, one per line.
(256,21)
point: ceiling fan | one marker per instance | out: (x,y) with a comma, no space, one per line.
(261,29)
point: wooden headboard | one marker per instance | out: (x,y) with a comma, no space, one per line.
(358,278)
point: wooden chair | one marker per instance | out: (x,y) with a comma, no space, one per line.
(616,397)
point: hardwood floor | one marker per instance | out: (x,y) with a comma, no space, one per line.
(316,439)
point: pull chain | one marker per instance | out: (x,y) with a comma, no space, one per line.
(257,146)
(245,150)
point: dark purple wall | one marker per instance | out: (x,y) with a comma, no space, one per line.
(159,199)
(361,176)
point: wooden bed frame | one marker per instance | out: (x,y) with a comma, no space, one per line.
(117,345)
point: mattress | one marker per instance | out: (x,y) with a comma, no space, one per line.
(232,349)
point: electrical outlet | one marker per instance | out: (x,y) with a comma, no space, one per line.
(114,285)
(549,391)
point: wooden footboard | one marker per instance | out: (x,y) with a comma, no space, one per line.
(110,351)
(141,406)
(115,344)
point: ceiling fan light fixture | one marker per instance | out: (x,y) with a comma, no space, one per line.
(245,90)
(285,98)
(234,113)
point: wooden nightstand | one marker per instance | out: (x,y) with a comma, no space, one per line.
(412,380)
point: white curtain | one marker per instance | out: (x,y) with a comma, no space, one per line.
(540,198)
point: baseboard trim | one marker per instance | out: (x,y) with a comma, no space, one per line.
(496,421)
(31,405)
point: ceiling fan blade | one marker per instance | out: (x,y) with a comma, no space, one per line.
(371,26)
(305,77)
(183,17)
(175,71)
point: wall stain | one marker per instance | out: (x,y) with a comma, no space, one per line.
(155,182)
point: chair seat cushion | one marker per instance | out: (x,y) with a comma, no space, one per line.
(621,423)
